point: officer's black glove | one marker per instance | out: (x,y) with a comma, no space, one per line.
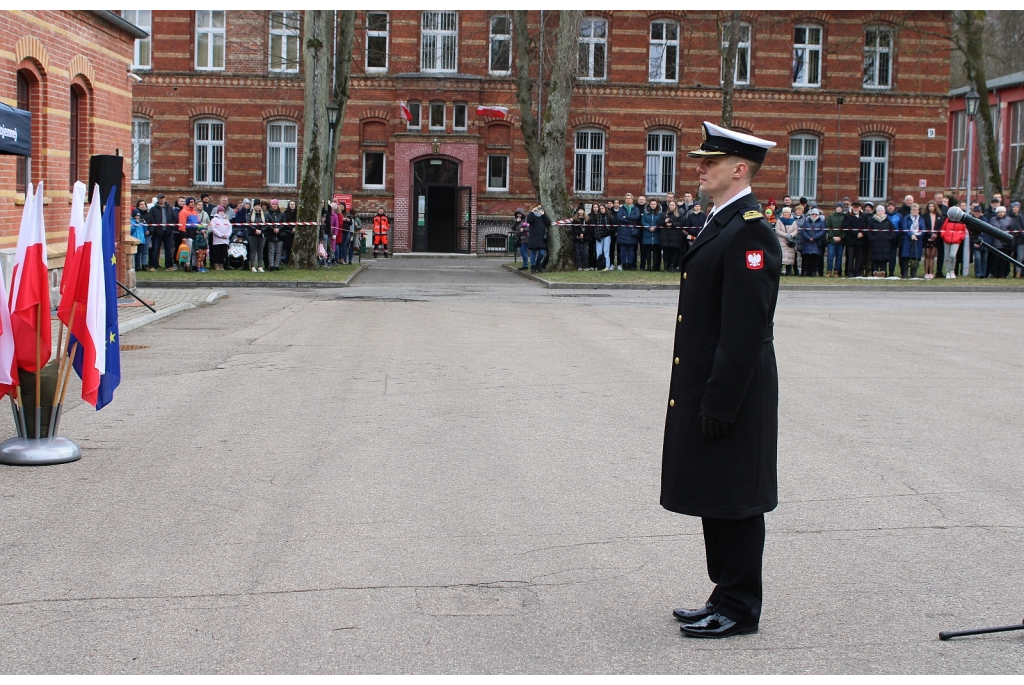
(712,428)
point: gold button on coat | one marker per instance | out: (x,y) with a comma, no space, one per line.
(684,275)
(679,318)
(677,360)
(671,403)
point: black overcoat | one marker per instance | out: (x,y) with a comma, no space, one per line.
(723,363)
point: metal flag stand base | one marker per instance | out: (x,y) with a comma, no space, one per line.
(41,452)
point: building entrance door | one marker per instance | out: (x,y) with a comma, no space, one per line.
(435,210)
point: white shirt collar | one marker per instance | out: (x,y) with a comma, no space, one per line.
(719,207)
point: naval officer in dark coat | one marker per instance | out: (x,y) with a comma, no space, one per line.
(721,428)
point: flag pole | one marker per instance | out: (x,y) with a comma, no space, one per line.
(14,409)
(39,368)
(63,367)
(64,390)
(21,411)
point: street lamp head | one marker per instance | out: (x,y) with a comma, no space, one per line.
(971,100)
(333,112)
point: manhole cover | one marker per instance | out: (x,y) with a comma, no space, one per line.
(130,348)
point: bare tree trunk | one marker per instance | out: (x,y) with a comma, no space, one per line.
(1017,184)
(525,49)
(553,194)
(971,25)
(729,68)
(342,73)
(316,61)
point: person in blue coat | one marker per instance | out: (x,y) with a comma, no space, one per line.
(628,233)
(811,234)
(911,239)
(650,237)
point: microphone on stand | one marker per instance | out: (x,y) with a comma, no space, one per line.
(977,225)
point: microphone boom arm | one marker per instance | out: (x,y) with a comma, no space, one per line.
(978,226)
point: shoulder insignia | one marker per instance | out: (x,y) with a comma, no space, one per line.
(752,215)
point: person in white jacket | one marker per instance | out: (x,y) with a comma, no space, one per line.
(220,228)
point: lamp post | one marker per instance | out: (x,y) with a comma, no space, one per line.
(971,100)
(333,113)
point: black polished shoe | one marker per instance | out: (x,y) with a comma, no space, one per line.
(694,615)
(717,625)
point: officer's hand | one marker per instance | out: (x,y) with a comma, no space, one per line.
(712,428)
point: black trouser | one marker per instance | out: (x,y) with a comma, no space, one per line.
(894,258)
(167,241)
(671,258)
(650,257)
(812,264)
(735,548)
(580,254)
(878,265)
(999,267)
(289,237)
(905,268)
(854,260)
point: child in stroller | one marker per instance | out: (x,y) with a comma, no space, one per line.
(238,251)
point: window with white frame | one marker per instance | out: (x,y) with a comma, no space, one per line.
(439,39)
(874,168)
(661,163)
(282,146)
(878,57)
(459,116)
(209,152)
(284,41)
(663,58)
(373,169)
(437,116)
(376,41)
(501,45)
(803,166)
(958,148)
(741,77)
(497,173)
(210,30)
(807,56)
(1016,134)
(589,172)
(593,48)
(141,146)
(415,116)
(143,46)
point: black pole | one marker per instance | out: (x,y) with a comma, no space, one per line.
(947,634)
(125,288)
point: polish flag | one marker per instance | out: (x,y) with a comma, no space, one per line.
(30,287)
(491,112)
(8,368)
(89,327)
(406,114)
(76,236)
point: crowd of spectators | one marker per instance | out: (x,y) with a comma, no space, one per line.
(853,240)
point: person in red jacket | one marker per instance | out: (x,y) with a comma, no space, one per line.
(380,233)
(953,234)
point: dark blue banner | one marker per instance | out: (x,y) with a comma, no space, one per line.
(15,131)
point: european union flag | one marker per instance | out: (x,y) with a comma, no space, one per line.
(112,378)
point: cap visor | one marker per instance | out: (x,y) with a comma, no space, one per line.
(704,153)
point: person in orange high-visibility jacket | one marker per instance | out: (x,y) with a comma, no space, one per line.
(381,224)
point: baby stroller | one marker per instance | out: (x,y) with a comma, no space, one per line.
(238,250)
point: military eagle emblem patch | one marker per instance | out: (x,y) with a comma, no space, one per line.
(755,259)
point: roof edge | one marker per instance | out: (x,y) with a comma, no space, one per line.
(120,22)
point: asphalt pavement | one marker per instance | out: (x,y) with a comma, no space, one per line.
(445,468)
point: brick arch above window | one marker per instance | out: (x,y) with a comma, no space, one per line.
(30,47)
(207,112)
(373,131)
(80,66)
(381,114)
(281,113)
(877,130)
(590,122)
(743,126)
(806,127)
(498,135)
(811,17)
(143,111)
(674,15)
(673,124)
(890,18)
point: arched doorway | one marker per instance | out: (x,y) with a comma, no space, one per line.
(440,208)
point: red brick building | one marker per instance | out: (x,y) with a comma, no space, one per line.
(1006,98)
(857,100)
(70,69)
